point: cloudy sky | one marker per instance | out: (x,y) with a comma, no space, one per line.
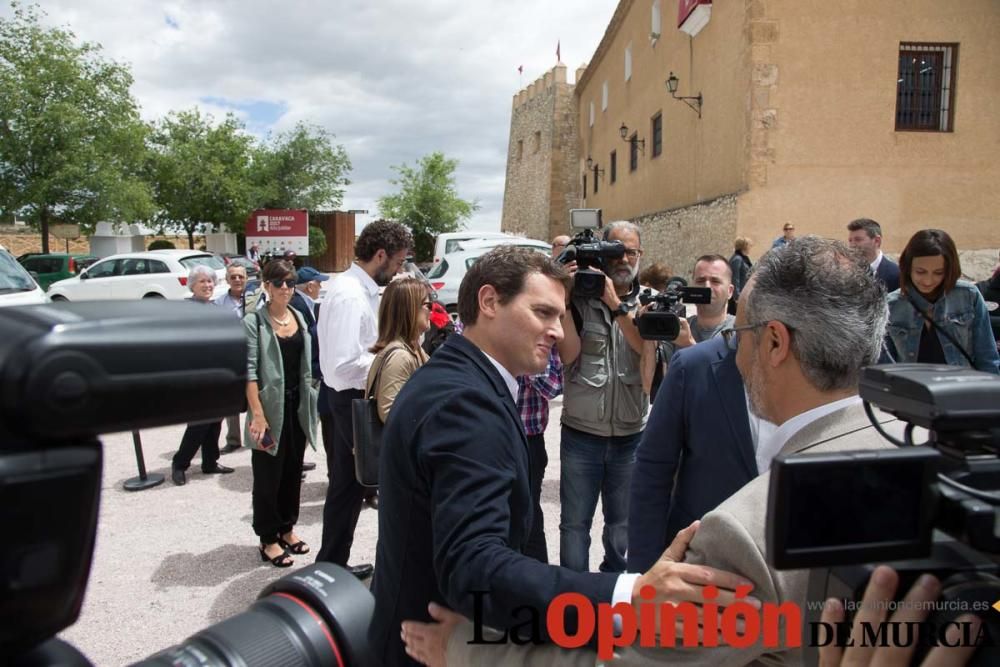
(392,79)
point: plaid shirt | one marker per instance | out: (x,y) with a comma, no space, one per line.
(535,391)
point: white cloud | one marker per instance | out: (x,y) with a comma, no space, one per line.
(392,79)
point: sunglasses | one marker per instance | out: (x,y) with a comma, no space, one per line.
(287,282)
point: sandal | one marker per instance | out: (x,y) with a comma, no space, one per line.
(300,548)
(281,560)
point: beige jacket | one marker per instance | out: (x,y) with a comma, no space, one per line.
(400,361)
(731,537)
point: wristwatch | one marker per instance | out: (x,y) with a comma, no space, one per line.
(622,309)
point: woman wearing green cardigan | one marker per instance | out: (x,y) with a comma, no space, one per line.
(282,413)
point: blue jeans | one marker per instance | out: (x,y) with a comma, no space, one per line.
(593,465)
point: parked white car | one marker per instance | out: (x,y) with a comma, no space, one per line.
(519,241)
(449,241)
(156,274)
(17,287)
(446,276)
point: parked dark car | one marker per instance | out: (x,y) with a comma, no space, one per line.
(55,266)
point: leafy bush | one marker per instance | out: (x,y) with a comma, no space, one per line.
(161,244)
(317,241)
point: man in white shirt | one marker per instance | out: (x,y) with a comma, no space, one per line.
(348,327)
(811,317)
(865,235)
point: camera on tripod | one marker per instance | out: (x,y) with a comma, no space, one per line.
(72,371)
(661,321)
(929,508)
(590,253)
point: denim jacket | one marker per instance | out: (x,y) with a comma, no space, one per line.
(961,312)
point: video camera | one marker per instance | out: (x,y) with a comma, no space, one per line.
(73,371)
(929,508)
(590,253)
(662,320)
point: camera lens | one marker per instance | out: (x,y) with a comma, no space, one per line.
(316,616)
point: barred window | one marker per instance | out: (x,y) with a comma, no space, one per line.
(657,133)
(613,160)
(633,152)
(925,87)
(595,178)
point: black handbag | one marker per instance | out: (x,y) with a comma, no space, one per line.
(367,434)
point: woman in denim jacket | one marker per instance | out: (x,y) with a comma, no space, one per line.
(931,291)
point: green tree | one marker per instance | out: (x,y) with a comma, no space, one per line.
(71,141)
(302,168)
(200,171)
(427,201)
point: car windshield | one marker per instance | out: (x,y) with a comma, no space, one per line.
(438,269)
(13,277)
(211,261)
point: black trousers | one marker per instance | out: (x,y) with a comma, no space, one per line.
(538,458)
(204,435)
(277,480)
(343,494)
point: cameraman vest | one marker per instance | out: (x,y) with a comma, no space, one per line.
(602,390)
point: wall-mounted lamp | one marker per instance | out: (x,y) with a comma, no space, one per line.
(623,131)
(594,168)
(693,102)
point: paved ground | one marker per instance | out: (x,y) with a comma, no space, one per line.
(172,560)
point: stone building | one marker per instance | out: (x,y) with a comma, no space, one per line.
(542,162)
(803,111)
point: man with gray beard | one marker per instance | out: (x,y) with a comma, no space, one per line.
(604,409)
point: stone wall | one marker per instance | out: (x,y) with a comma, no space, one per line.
(541,183)
(677,237)
(19,240)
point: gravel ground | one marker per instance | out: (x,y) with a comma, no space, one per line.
(172,560)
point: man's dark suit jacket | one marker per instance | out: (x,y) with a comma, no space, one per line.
(888,273)
(454,505)
(696,450)
(299,303)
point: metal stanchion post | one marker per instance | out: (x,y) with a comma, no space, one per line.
(143,481)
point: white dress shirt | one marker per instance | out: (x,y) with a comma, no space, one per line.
(772,446)
(878,260)
(761,430)
(508,379)
(347,328)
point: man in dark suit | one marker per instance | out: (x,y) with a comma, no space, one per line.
(866,235)
(456,507)
(697,449)
(305,300)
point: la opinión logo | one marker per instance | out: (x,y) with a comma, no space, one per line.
(651,624)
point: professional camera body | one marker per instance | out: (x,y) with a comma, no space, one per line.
(590,253)
(662,320)
(73,371)
(930,508)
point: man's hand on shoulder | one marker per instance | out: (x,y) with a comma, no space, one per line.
(670,580)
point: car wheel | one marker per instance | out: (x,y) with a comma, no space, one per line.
(154,295)
(58,297)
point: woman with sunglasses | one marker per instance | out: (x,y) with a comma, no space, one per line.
(934,317)
(282,413)
(403,316)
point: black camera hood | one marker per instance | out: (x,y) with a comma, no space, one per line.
(79,369)
(937,397)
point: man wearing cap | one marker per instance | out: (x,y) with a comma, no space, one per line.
(305,300)
(789,235)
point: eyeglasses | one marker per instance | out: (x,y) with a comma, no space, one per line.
(632,253)
(732,336)
(287,282)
